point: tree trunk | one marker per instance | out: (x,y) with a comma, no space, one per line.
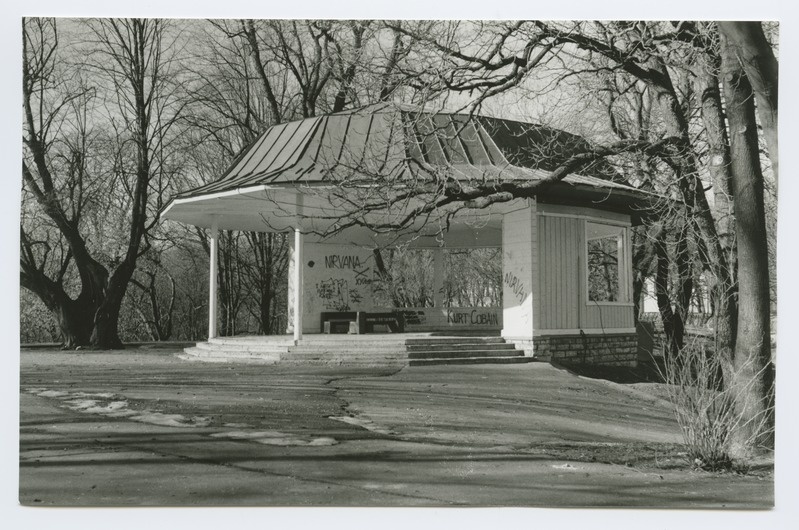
(105,334)
(723,295)
(747,43)
(692,190)
(673,326)
(752,378)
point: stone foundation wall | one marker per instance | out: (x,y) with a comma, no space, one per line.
(618,349)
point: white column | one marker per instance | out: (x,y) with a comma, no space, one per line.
(290,287)
(519,272)
(438,278)
(298,268)
(212,277)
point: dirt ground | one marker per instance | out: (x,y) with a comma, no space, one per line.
(141,427)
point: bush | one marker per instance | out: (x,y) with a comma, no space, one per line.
(706,408)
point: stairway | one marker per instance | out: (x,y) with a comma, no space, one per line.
(357,350)
(462,350)
(349,350)
(252,349)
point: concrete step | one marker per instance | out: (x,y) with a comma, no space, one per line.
(471,360)
(454,340)
(490,346)
(462,354)
(228,356)
(235,352)
(350,350)
(252,341)
(347,355)
(254,348)
(352,343)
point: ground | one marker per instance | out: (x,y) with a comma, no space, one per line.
(142,427)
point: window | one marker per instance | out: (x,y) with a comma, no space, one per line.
(605,244)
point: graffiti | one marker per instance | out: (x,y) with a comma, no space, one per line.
(362,278)
(516,286)
(355,297)
(334,294)
(473,317)
(336,261)
(414,318)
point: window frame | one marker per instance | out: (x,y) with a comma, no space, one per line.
(623,245)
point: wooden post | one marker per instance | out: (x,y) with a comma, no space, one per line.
(212,277)
(298,268)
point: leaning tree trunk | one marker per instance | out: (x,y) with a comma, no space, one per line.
(723,294)
(753,377)
(748,43)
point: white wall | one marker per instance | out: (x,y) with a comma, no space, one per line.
(337,278)
(519,270)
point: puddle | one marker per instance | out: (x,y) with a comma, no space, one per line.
(275,438)
(363,423)
(112,406)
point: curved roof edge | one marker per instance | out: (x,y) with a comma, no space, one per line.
(403,139)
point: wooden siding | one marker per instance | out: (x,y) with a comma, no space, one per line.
(559,271)
(562,276)
(608,316)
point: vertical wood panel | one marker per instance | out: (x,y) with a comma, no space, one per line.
(582,285)
(553,272)
(546,256)
(542,271)
(567,267)
(573,275)
(558,250)
(548,280)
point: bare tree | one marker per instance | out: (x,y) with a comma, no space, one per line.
(130,57)
(753,340)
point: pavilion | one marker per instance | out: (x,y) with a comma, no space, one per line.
(334,181)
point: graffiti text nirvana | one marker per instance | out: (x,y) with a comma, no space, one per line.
(342,262)
(516,286)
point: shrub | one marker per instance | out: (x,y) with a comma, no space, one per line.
(706,408)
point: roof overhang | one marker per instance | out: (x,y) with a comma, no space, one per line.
(318,210)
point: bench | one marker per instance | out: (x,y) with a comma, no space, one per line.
(338,321)
(393,320)
(358,322)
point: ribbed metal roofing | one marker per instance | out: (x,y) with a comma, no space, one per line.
(398,141)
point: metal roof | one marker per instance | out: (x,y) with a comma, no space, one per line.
(396,142)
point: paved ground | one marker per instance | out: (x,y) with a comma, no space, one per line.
(142,427)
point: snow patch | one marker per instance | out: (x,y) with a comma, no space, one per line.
(108,404)
(275,438)
(170,420)
(51,393)
(566,466)
(363,423)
